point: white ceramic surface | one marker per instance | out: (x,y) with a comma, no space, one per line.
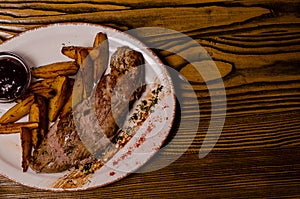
(42,46)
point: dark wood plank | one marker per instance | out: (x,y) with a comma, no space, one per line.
(264,173)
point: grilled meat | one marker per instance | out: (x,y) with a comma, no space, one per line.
(119,89)
(60,149)
(99,118)
(78,137)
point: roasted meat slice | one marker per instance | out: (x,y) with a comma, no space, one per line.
(60,149)
(99,118)
(79,136)
(116,91)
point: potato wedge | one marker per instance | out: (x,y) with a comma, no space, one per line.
(77,92)
(43,119)
(67,107)
(55,69)
(26,147)
(45,92)
(72,51)
(99,38)
(18,111)
(41,84)
(43,88)
(39,113)
(60,85)
(101,62)
(86,67)
(68,104)
(34,116)
(16,127)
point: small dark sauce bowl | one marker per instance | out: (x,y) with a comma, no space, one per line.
(15,77)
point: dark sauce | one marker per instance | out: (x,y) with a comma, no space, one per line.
(13,78)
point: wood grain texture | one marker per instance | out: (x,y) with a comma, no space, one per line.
(260,173)
(254,44)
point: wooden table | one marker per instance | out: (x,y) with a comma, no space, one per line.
(255,45)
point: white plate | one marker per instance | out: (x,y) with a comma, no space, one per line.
(42,46)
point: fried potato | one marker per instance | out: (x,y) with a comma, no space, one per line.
(101,61)
(41,84)
(77,93)
(60,85)
(43,90)
(67,107)
(16,127)
(68,104)
(99,38)
(26,147)
(55,69)
(39,113)
(86,67)
(18,111)
(72,51)
(34,116)
(43,119)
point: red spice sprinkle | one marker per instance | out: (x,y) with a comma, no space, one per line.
(115,162)
(128,153)
(166,106)
(112,173)
(149,128)
(137,144)
(140,141)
